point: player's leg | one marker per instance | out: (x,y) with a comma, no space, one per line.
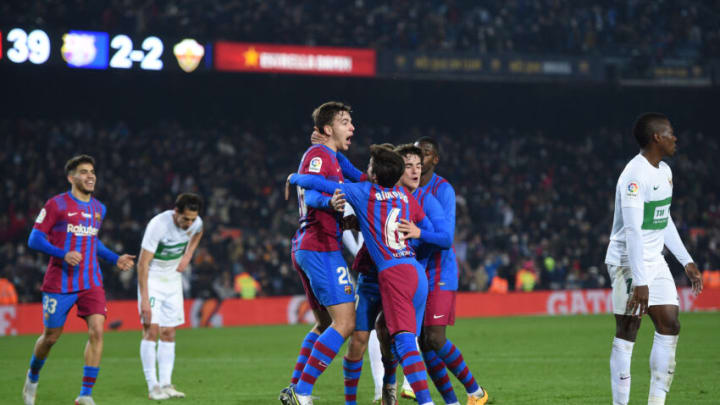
(55,310)
(626,328)
(352,364)
(366,311)
(663,310)
(435,365)
(92,308)
(404,291)
(329,279)
(376,364)
(148,358)
(171,314)
(166,361)
(389,361)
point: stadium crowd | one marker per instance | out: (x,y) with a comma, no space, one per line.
(638,28)
(528,203)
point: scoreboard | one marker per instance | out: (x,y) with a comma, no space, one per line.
(78,49)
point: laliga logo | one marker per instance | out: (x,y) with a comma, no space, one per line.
(188,53)
(78,49)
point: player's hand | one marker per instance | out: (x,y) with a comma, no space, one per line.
(287,187)
(695,277)
(145,312)
(337,202)
(408,230)
(73,257)
(126,262)
(184,262)
(317,137)
(638,303)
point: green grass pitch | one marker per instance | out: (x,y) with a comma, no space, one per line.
(520,360)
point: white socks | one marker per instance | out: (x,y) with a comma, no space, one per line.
(620,358)
(662,367)
(166,361)
(376,365)
(147,356)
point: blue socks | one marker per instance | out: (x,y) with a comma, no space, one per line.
(89,376)
(35,366)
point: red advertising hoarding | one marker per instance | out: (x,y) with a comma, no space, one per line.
(249,57)
(123,315)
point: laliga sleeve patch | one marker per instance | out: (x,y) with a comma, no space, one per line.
(315,165)
(41,216)
(633,189)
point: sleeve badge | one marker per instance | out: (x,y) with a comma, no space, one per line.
(315,165)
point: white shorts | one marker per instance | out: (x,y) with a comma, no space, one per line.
(660,285)
(166,302)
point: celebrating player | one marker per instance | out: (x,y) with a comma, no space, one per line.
(442,273)
(66,229)
(170,240)
(369,304)
(403,286)
(641,279)
(317,257)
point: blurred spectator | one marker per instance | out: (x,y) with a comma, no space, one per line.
(246,286)
(645,29)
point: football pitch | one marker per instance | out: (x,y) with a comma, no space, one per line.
(520,360)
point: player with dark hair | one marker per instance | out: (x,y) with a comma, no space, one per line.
(641,280)
(66,229)
(442,272)
(369,304)
(168,245)
(379,206)
(317,257)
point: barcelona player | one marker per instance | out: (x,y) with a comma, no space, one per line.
(442,272)
(380,206)
(67,230)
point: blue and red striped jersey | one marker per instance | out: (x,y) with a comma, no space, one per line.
(378,210)
(442,267)
(319,227)
(71,224)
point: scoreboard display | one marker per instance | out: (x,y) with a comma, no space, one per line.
(78,49)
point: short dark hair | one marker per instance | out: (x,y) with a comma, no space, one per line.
(646,125)
(409,149)
(388,145)
(188,201)
(431,141)
(388,166)
(325,114)
(75,161)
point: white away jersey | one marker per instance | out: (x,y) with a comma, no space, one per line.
(168,241)
(641,185)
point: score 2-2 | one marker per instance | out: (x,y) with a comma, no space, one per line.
(125,56)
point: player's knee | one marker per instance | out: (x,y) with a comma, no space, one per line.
(96,334)
(434,340)
(167,334)
(344,327)
(670,327)
(50,338)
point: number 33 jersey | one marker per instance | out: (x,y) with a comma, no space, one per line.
(168,242)
(644,186)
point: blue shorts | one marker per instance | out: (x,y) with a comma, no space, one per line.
(56,306)
(327,275)
(368,306)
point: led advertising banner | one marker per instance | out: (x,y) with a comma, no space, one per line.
(249,57)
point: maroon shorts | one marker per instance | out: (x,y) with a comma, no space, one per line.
(440,310)
(91,302)
(403,289)
(312,300)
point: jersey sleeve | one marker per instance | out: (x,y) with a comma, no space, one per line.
(47,217)
(632,191)
(316,161)
(446,198)
(153,234)
(349,170)
(198,226)
(442,234)
(416,213)
(314,182)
